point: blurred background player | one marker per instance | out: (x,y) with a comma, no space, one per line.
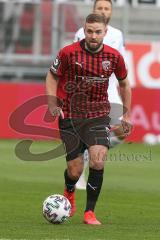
(113,38)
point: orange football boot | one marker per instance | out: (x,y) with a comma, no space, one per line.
(90,218)
(71,197)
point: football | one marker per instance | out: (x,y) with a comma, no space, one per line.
(56,208)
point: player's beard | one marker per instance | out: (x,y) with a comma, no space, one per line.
(93,48)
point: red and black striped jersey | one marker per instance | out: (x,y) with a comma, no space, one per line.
(84,77)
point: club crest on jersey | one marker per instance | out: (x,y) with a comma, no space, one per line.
(106,65)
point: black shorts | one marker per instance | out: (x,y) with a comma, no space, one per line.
(79,134)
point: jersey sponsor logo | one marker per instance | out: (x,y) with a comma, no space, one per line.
(106,65)
(92,79)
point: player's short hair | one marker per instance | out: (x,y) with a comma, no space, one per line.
(94,17)
(95,2)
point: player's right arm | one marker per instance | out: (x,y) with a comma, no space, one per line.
(54,74)
(51,84)
(51,90)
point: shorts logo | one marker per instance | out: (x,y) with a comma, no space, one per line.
(106,65)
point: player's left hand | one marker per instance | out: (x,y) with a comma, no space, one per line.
(127,126)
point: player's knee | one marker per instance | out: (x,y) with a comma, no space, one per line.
(102,154)
(98,159)
(75,172)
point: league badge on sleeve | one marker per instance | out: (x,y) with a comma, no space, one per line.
(55,65)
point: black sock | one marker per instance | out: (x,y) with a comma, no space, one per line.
(70,184)
(94,185)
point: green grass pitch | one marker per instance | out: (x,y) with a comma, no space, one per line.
(129,205)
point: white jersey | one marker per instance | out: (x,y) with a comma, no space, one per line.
(114,39)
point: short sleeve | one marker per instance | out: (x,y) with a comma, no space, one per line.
(59,65)
(121,70)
